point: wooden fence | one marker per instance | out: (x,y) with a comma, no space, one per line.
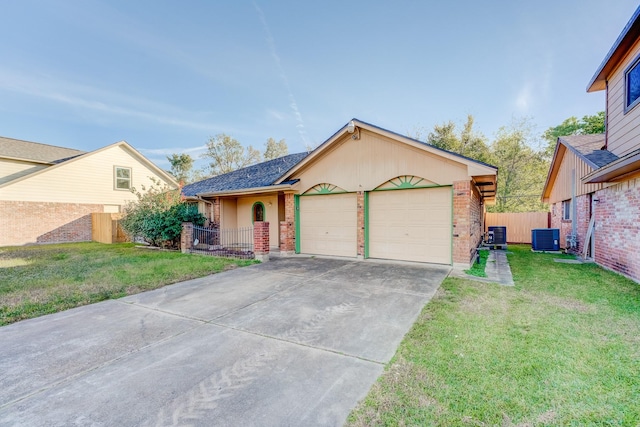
(519,224)
(106,229)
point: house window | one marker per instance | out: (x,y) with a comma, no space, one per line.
(566,210)
(122,178)
(258,212)
(632,85)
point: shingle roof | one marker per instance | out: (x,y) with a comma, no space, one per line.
(259,175)
(589,147)
(18,149)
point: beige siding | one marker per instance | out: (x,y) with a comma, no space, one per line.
(328,225)
(89,179)
(245,215)
(14,169)
(624,129)
(228,213)
(412,225)
(363,164)
(562,185)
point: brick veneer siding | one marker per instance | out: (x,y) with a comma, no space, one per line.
(216,210)
(617,229)
(583,205)
(467,222)
(261,238)
(24,223)
(360,231)
(288,226)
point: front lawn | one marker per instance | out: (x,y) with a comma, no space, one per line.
(37,280)
(561,348)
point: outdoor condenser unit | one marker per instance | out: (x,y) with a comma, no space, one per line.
(545,239)
(497,235)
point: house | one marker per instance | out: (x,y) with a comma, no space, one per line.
(593,185)
(48,193)
(366,192)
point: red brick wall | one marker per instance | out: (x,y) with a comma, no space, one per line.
(583,205)
(39,222)
(288,226)
(261,237)
(617,229)
(467,221)
(360,231)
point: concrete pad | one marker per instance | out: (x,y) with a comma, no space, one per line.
(38,353)
(359,320)
(213,296)
(208,376)
(307,266)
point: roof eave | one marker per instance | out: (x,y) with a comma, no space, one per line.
(620,47)
(553,170)
(619,170)
(245,191)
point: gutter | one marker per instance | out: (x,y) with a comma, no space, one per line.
(244,191)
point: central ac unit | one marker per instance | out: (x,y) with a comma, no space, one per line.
(545,239)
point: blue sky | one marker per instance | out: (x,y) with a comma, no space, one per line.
(167,75)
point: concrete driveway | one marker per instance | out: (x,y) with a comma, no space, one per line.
(295,341)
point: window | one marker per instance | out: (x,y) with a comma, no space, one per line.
(258,212)
(632,85)
(122,178)
(566,210)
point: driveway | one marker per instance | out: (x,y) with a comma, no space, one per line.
(295,341)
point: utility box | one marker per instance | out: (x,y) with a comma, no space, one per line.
(497,235)
(545,239)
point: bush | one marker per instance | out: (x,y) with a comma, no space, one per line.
(157,216)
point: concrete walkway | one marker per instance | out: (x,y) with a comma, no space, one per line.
(288,342)
(497,270)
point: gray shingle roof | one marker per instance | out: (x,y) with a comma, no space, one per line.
(259,175)
(589,147)
(34,151)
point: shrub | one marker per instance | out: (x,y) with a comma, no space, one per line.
(157,216)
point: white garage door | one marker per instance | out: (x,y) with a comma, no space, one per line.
(411,225)
(328,225)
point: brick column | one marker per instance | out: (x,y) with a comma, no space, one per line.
(462,223)
(216,210)
(288,226)
(360,204)
(186,237)
(261,240)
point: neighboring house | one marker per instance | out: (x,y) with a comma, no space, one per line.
(366,192)
(593,185)
(47,193)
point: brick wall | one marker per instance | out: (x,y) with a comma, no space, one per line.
(360,231)
(617,229)
(39,222)
(288,226)
(467,222)
(583,204)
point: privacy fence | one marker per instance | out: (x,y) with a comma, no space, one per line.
(519,224)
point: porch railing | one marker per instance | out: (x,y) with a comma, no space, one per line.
(227,242)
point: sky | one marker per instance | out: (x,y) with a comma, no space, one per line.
(165,76)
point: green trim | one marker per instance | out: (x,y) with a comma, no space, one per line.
(264,212)
(451,259)
(411,188)
(366,224)
(296,208)
(325,194)
(405,181)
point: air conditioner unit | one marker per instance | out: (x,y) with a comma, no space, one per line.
(545,239)
(497,235)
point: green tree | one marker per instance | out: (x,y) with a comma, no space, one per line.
(522,170)
(157,216)
(181,165)
(226,154)
(573,126)
(273,149)
(468,142)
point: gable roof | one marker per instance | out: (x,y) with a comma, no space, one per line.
(255,176)
(64,162)
(630,33)
(35,152)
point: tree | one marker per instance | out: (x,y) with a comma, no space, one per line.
(181,165)
(469,143)
(227,154)
(273,149)
(573,126)
(521,169)
(157,216)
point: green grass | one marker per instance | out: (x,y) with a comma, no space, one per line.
(477,269)
(561,348)
(38,280)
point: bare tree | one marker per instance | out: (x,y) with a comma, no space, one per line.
(226,154)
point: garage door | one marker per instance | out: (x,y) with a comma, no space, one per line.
(411,225)
(328,225)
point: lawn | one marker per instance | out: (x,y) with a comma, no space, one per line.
(38,280)
(562,347)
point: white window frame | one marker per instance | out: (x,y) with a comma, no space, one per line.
(116,178)
(628,106)
(566,210)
